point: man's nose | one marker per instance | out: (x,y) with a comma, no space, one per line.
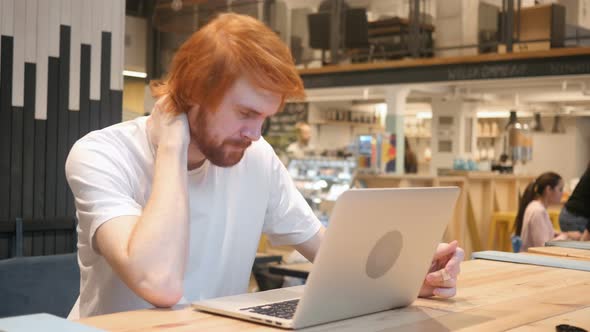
(252,132)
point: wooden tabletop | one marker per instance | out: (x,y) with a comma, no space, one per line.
(492,296)
(300,270)
(568,253)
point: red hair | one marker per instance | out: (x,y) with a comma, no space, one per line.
(227,48)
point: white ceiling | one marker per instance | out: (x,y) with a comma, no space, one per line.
(569,95)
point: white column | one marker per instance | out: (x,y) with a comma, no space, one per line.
(395,98)
(453,132)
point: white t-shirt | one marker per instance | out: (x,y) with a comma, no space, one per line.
(110,172)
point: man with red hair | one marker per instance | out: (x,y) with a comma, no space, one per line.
(171,206)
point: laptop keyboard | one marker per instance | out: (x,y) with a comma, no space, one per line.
(285,309)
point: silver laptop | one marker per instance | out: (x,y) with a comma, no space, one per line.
(376,252)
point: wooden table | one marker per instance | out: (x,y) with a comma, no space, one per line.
(567,253)
(492,296)
(265,258)
(291,270)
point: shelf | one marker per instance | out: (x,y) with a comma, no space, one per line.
(488,136)
(419,136)
(553,62)
(348,123)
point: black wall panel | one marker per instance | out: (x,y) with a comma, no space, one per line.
(33,150)
(16,163)
(51,132)
(105,80)
(28,141)
(84,90)
(40,160)
(6,45)
(62,120)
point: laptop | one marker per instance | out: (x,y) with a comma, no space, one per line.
(376,252)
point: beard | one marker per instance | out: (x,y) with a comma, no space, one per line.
(226,153)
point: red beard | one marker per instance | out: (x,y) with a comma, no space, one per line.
(225,154)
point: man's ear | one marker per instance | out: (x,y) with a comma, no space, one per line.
(193,111)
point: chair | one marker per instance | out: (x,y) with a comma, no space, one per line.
(501,225)
(37,236)
(48,284)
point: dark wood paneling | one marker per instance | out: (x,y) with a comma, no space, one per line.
(60,242)
(105,80)
(116,106)
(49,241)
(28,141)
(5,244)
(16,163)
(28,244)
(74,133)
(39,177)
(94,115)
(6,45)
(51,152)
(38,246)
(62,122)
(84,90)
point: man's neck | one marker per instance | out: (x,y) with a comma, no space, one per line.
(195,157)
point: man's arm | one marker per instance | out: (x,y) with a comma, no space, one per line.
(310,247)
(149,252)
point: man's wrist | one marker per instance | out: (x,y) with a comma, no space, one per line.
(176,147)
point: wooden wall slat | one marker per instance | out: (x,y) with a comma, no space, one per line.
(5,244)
(62,123)
(116,106)
(43,30)
(16,163)
(51,152)
(29,140)
(94,114)
(84,90)
(73,135)
(38,248)
(105,80)
(27,244)
(60,242)
(39,177)
(18,61)
(49,242)
(6,45)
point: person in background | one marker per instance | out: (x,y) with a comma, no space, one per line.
(532,223)
(410,159)
(302,147)
(574,218)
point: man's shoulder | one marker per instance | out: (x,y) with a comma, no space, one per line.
(114,144)
(123,134)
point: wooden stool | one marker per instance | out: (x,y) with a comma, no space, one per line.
(502,224)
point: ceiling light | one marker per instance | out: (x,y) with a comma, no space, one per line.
(131,73)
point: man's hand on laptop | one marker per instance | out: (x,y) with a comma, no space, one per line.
(441,279)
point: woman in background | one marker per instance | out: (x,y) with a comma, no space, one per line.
(533,224)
